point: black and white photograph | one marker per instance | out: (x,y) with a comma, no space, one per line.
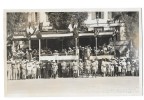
(87,52)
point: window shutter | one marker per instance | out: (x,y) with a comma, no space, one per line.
(93,15)
(109,15)
(102,15)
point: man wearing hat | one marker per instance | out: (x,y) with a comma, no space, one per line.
(63,65)
(128,69)
(9,70)
(103,67)
(34,69)
(94,67)
(38,70)
(112,69)
(81,67)
(88,67)
(23,66)
(18,65)
(15,70)
(75,69)
(54,69)
(29,70)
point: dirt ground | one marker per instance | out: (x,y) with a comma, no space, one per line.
(100,86)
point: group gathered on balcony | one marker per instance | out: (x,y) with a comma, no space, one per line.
(83,51)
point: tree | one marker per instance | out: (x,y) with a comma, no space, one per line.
(15,21)
(131,20)
(61,20)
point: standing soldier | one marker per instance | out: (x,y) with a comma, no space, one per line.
(29,69)
(94,67)
(81,67)
(63,64)
(24,64)
(103,67)
(44,70)
(108,69)
(75,69)
(124,69)
(9,70)
(15,71)
(54,69)
(34,69)
(71,68)
(87,67)
(38,70)
(119,69)
(18,69)
(112,69)
(128,68)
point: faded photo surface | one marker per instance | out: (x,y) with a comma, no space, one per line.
(73,53)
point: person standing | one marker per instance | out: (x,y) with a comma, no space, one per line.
(18,64)
(128,69)
(112,69)
(103,67)
(29,70)
(54,69)
(24,64)
(34,70)
(75,69)
(63,64)
(124,69)
(81,67)
(38,70)
(9,70)
(94,67)
(15,71)
(119,69)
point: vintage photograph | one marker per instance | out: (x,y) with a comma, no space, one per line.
(72,53)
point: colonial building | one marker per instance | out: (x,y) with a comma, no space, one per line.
(109,32)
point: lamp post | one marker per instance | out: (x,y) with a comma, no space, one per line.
(95,35)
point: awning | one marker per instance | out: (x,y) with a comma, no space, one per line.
(57,35)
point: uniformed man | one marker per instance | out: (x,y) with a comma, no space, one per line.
(29,70)
(124,69)
(119,69)
(103,67)
(71,68)
(64,65)
(128,68)
(88,67)
(34,70)
(112,69)
(81,67)
(24,64)
(94,67)
(38,70)
(9,70)
(75,69)
(44,70)
(15,70)
(108,68)
(54,69)
(18,65)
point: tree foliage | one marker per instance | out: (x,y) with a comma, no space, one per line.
(131,20)
(61,20)
(15,20)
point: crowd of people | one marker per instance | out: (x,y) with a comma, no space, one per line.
(83,52)
(24,69)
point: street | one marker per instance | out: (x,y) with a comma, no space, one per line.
(100,86)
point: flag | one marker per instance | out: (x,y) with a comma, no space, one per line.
(70,27)
(38,35)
